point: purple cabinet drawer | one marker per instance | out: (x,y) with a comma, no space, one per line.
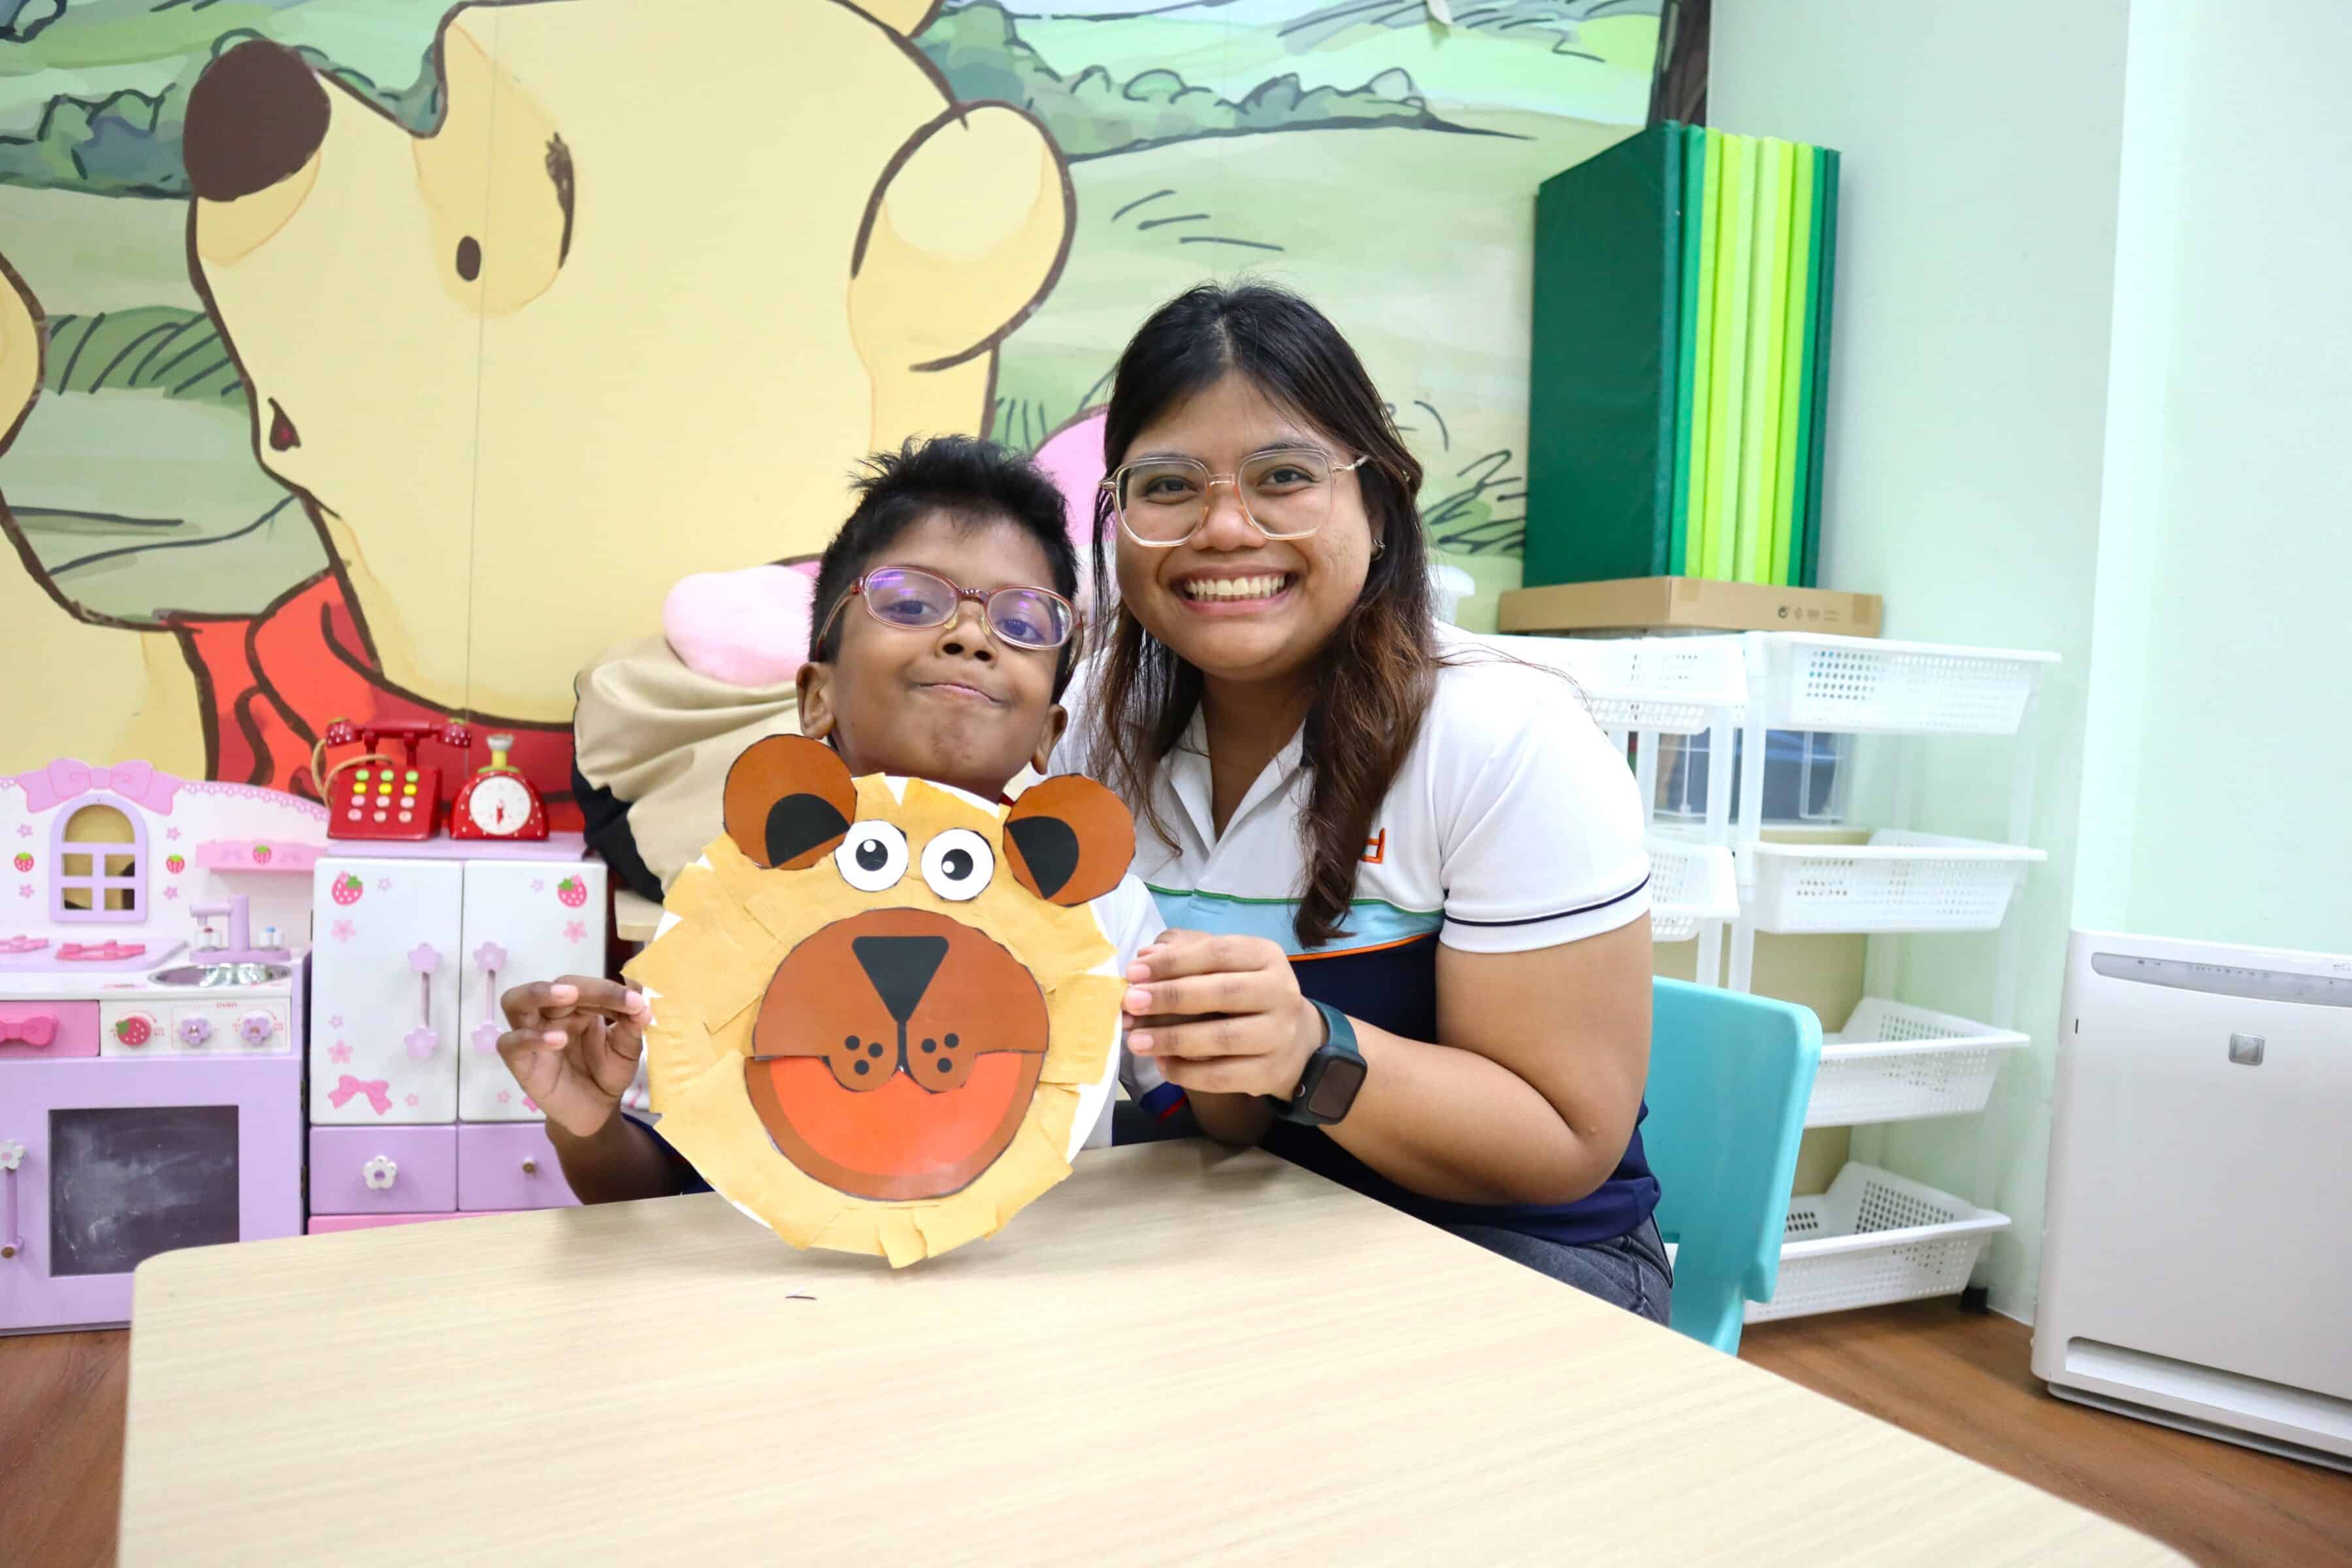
(383,1170)
(49,1031)
(509,1165)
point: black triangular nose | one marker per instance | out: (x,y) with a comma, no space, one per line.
(900,967)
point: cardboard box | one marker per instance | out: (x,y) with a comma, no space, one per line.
(1689,603)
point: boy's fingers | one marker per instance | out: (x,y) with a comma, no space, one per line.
(556,999)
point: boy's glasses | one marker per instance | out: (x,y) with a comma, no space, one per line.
(1033,618)
(1162,502)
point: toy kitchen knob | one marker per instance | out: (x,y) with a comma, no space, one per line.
(379,1172)
(531,1167)
(194,1031)
(256,1028)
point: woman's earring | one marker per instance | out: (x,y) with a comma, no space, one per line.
(1378,545)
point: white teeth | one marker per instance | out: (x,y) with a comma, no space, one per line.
(1263,587)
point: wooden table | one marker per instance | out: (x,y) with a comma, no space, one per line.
(1175,1356)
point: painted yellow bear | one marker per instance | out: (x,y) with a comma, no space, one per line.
(631,310)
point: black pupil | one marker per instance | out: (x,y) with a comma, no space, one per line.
(956,863)
(469,258)
(873,854)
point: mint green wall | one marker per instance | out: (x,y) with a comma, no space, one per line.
(2092,392)
(1968,393)
(2223,638)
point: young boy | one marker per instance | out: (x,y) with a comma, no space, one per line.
(906,675)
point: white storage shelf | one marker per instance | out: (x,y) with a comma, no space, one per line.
(1899,881)
(1862,686)
(1689,883)
(1897,1063)
(1668,685)
(1875,1238)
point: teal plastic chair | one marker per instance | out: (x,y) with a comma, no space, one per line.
(1730,1076)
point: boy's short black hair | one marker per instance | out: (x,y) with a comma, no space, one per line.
(971,480)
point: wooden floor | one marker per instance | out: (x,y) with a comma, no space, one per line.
(1963,1379)
(1957,1379)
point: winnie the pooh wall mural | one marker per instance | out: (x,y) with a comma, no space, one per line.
(378,359)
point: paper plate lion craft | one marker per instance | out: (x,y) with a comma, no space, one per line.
(879,1004)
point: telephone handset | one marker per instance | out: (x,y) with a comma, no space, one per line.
(377,794)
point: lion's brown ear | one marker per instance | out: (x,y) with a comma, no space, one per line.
(1069,840)
(789,800)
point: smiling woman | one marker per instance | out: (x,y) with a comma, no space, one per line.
(1409,900)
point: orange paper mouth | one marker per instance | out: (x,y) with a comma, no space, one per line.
(898,1142)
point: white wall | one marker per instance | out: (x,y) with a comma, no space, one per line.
(2223,641)
(2092,392)
(1968,394)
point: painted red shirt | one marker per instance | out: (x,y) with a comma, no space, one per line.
(271,683)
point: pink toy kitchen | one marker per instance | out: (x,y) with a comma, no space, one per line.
(228,1015)
(150,1027)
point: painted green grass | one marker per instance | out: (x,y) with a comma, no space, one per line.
(1414,241)
(1604,76)
(136,504)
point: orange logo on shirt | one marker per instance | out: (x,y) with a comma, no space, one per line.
(1376,848)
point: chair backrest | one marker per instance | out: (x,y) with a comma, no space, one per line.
(1730,1075)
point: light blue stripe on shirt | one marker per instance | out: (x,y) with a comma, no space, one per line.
(1371,922)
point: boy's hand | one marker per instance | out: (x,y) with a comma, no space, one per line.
(573,1046)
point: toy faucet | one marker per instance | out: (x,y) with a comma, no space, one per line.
(238,909)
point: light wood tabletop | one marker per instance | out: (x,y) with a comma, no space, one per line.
(1177,1356)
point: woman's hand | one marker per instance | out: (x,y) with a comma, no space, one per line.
(1221,1014)
(573,1046)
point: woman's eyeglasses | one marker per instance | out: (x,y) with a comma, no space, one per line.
(1161,503)
(1033,618)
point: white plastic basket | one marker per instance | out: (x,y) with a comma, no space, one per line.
(1670,686)
(1874,1238)
(1689,882)
(1899,881)
(1897,1063)
(1866,686)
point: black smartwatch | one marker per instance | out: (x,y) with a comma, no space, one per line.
(1334,1073)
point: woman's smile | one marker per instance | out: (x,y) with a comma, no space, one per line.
(1235,592)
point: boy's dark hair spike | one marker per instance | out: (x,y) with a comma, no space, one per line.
(972,480)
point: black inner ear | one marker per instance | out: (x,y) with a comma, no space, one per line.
(1048,847)
(799,823)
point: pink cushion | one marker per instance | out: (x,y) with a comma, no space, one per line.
(747,628)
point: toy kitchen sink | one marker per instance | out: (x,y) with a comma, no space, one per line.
(150,1027)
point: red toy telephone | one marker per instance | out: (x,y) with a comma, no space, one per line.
(377,794)
(498,802)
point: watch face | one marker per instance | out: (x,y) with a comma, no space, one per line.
(1334,1088)
(498,805)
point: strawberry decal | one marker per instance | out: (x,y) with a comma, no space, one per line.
(347,889)
(133,1031)
(174,864)
(573,891)
(261,853)
(24,861)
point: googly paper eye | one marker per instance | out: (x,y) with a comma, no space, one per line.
(958,864)
(872,857)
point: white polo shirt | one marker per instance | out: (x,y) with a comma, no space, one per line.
(1513,824)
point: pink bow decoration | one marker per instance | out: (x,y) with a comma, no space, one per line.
(62,780)
(36,1031)
(378,1092)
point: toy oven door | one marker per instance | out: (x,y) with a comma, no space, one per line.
(116,1160)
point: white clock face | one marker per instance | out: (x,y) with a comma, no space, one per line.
(498,805)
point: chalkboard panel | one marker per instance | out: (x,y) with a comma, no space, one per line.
(127,1184)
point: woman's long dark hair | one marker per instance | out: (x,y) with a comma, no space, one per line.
(1373,679)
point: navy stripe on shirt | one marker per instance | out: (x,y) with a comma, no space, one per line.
(1395,988)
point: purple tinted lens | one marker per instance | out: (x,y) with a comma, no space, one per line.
(1029,618)
(907,599)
